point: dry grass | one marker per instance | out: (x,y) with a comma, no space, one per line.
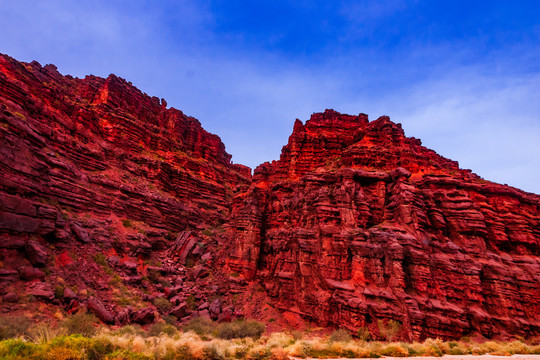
(133,342)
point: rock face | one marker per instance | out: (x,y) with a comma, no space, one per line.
(357,224)
(111,201)
(97,180)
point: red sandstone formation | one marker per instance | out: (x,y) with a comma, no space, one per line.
(111,201)
(97,180)
(357,224)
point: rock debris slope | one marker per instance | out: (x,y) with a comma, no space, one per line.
(112,201)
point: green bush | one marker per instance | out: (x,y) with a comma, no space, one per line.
(163,304)
(126,355)
(240,329)
(16,347)
(81,323)
(98,348)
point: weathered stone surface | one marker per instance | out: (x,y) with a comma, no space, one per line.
(355,223)
(180,311)
(215,308)
(81,233)
(143,316)
(30,273)
(10,297)
(7,275)
(41,290)
(69,294)
(124,316)
(36,253)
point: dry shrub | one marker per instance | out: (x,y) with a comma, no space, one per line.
(299,349)
(259,352)
(14,326)
(355,350)
(458,348)
(193,342)
(139,344)
(43,333)
(340,335)
(389,330)
(395,350)
(240,329)
(490,347)
(162,328)
(133,329)
(517,347)
(200,326)
(278,353)
(212,352)
(82,323)
(279,339)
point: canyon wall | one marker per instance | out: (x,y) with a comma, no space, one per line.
(112,201)
(357,224)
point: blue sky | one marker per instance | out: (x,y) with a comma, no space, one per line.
(463,76)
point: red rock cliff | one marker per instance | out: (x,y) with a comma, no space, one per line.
(98,183)
(357,224)
(112,201)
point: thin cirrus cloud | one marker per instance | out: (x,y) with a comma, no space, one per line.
(464,77)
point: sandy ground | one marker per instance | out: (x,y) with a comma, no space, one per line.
(458,357)
(467,357)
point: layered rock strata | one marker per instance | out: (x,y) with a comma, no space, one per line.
(112,201)
(97,182)
(357,224)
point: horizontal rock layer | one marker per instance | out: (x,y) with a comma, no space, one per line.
(357,224)
(112,201)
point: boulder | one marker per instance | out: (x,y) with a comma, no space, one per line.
(10,297)
(180,311)
(226,315)
(199,272)
(41,290)
(215,308)
(98,309)
(69,294)
(124,316)
(30,273)
(8,275)
(80,233)
(36,254)
(143,316)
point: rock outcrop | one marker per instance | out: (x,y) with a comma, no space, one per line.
(111,201)
(357,224)
(97,180)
